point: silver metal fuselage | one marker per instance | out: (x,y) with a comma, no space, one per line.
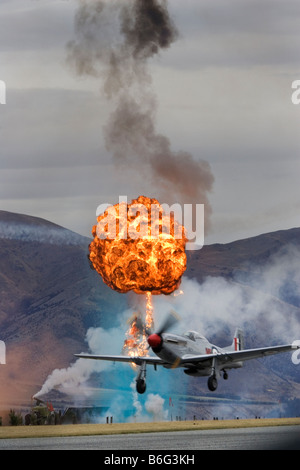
(176,347)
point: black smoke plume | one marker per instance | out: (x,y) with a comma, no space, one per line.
(114,41)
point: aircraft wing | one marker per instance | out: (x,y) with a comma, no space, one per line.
(236,356)
(137,360)
(223,357)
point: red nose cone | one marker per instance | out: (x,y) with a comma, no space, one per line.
(154,341)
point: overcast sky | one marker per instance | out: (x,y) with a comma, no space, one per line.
(223,94)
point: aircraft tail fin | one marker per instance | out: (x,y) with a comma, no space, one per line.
(238,340)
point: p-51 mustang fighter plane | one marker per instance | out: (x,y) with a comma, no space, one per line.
(194,353)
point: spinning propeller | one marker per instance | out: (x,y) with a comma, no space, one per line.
(155,339)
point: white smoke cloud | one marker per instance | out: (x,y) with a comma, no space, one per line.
(155,407)
(281,275)
(141,408)
(73,379)
(138,408)
(268,300)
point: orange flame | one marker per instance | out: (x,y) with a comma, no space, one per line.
(136,248)
(149,312)
(135,343)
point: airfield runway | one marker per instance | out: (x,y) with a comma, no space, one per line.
(265,438)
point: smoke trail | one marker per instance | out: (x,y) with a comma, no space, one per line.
(73,379)
(115,41)
(74,382)
(115,38)
(131,136)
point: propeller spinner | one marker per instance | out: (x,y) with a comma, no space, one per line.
(155,339)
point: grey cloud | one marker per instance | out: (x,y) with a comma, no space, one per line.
(32,25)
(237,33)
(237,16)
(51,128)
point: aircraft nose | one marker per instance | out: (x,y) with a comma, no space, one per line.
(154,340)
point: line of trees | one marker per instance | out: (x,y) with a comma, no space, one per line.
(15,419)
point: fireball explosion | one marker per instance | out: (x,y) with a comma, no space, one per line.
(138,247)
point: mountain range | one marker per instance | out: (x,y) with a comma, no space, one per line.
(50,298)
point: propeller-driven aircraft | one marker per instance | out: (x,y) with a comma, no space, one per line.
(194,353)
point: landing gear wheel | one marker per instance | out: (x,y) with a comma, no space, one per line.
(212,383)
(225,375)
(141,386)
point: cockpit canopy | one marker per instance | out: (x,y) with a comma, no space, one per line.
(193,335)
